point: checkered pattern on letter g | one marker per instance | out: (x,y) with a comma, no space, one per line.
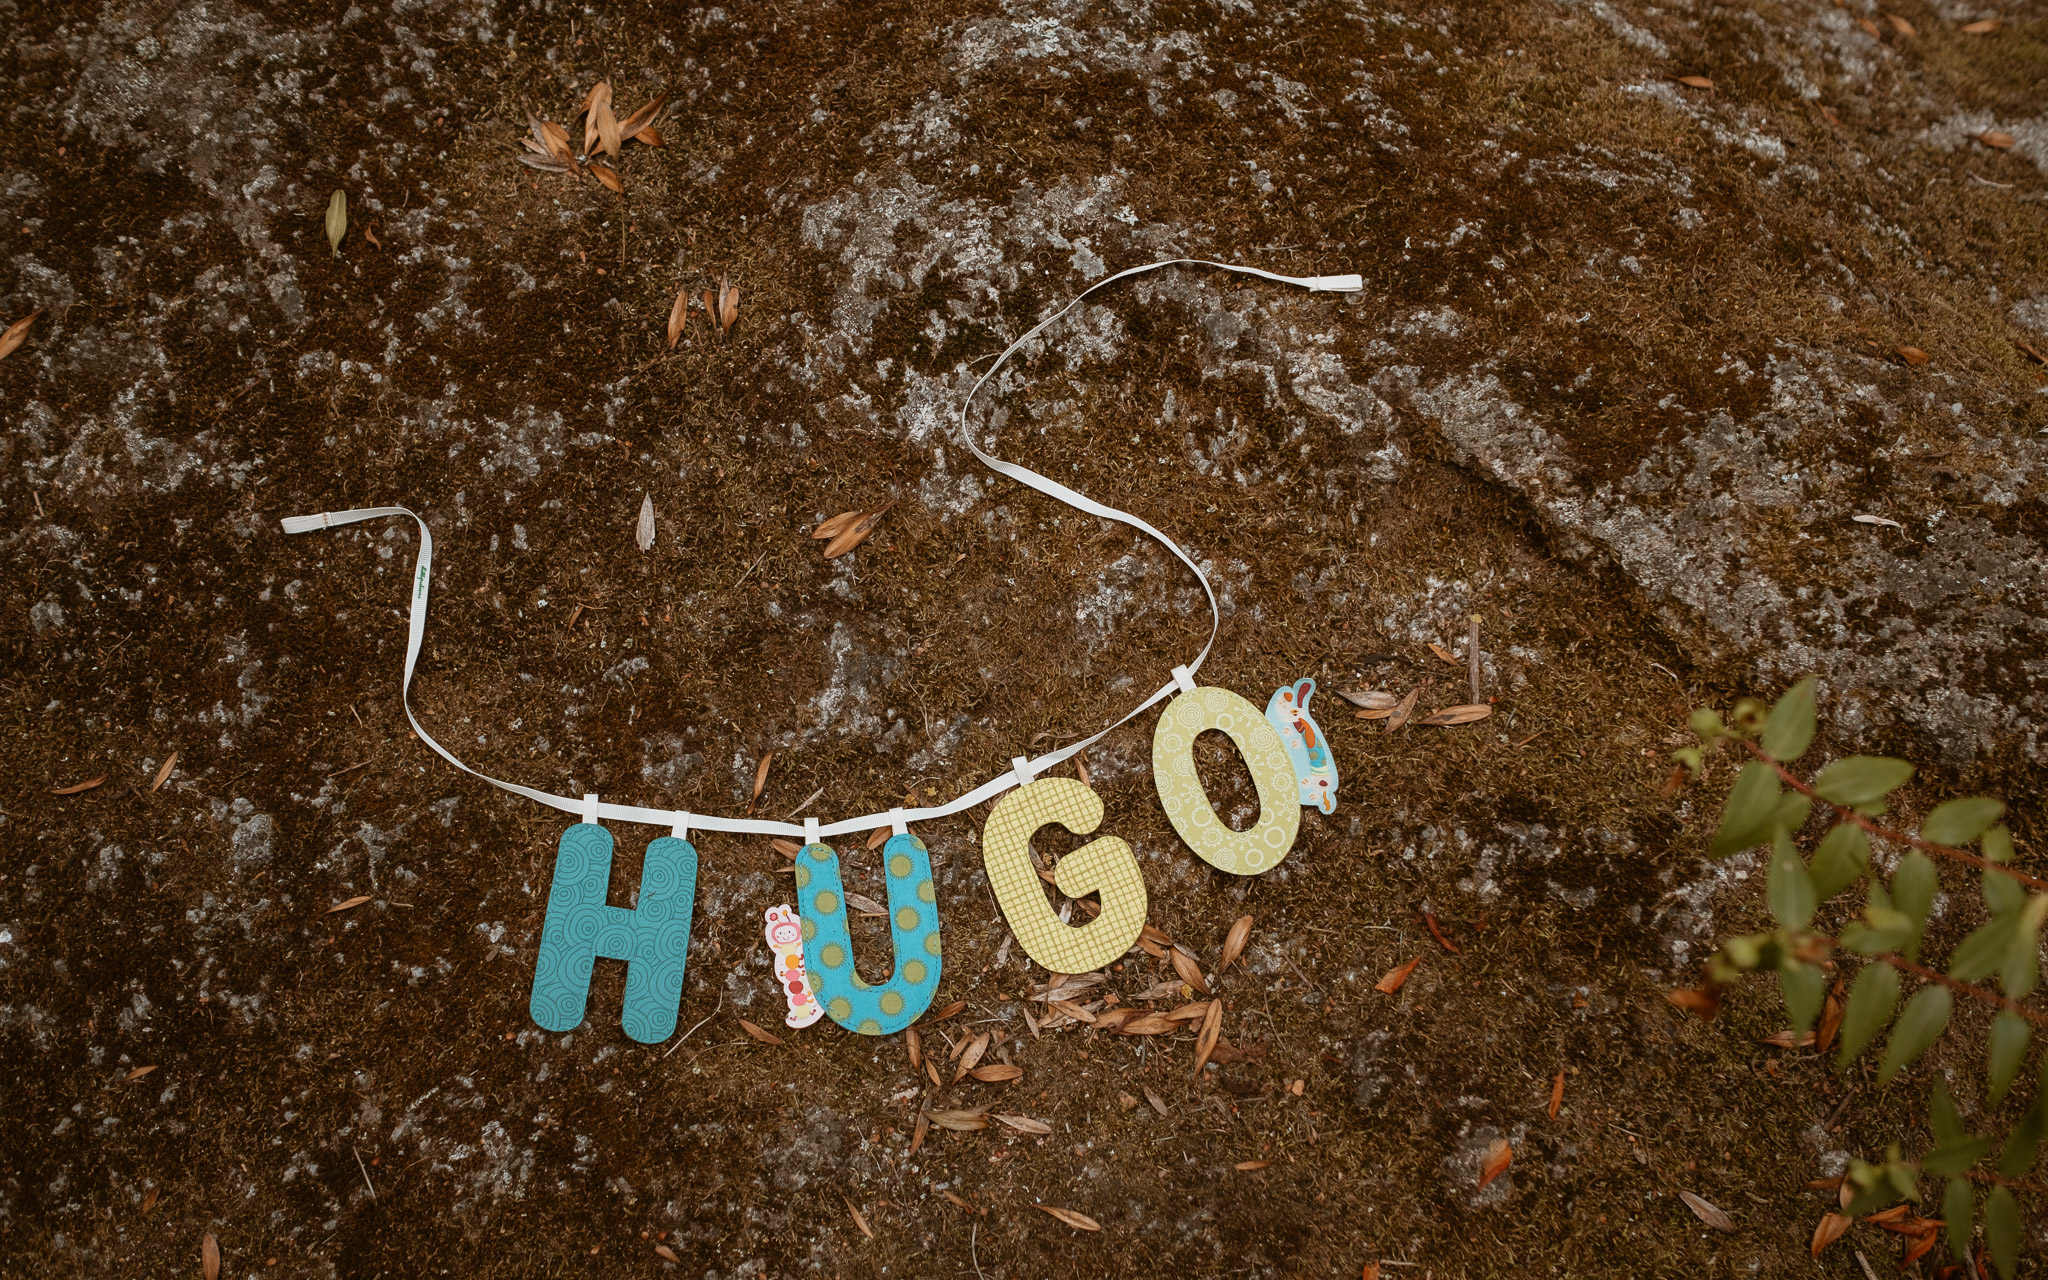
(1104,865)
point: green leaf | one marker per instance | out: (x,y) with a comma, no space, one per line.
(1871,1185)
(2002,894)
(1790,892)
(1905,1179)
(2002,1229)
(1689,757)
(1706,722)
(1961,821)
(1857,780)
(1997,845)
(1843,856)
(1802,986)
(1919,1026)
(1980,954)
(337,220)
(1913,888)
(2022,967)
(2008,1048)
(1954,1156)
(1791,812)
(2024,1144)
(1788,729)
(1958,1207)
(1752,804)
(1942,1116)
(1870,1005)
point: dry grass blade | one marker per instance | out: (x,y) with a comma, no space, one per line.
(1158,1103)
(77,787)
(546,164)
(1078,1221)
(728,305)
(640,119)
(858,1220)
(678,316)
(1912,355)
(1252,1166)
(864,905)
(609,177)
(760,779)
(1465,714)
(16,333)
(1190,972)
(1998,138)
(960,1121)
(1499,1156)
(1205,1043)
(1696,82)
(1233,942)
(356,901)
(1982,27)
(1081,769)
(1370,699)
(997,1073)
(209,1257)
(952,1010)
(665,1253)
(1786,1040)
(958,1203)
(643,530)
(1396,977)
(855,534)
(164,773)
(837,524)
(1832,1227)
(923,1126)
(601,92)
(758,1034)
(1886,521)
(139,1072)
(1557,1093)
(1401,713)
(1706,1212)
(1025,1124)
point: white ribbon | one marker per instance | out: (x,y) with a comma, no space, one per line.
(588,808)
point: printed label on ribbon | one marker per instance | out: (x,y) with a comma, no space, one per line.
(850,1000)
(1103,866)
(1243,853)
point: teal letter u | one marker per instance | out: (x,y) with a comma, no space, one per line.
(828,946)
(653,938)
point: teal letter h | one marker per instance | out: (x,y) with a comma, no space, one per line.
(653,939)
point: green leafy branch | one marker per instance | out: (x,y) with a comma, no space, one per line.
(1768,806)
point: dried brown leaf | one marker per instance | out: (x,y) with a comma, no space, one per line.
(1190,972)
(837,524)
(164,772)
(1892,1219)
(356,901)
(997,1073)
(1706,1212)
(651,136)
(1499,1156)
(787,848)
(855,534)
(1696,82)
(678,316)
(1830,1019)
(879,837)
(1436,931)
(1832,1227)
(643,528)
(1557,1093)
(1443,653)
(17,332)
(1786,1040)
(1370,699)
(960,1121)
(862,904)
(1912,355)
(1081,769)
(1114,1019)
(1233,942)
(760,777)
(932,1069)
(209,1257)
(1465,714)
(971,1055)
(1998,138)
(1982,27)
(77,787)
(923,1126)
(858,1220)
(546,164)
(1150,1024)
(957,1202)
(1025,1124)
(1252,1166)
(1205,1043)
(600,94)
(149,1200)
(609,177)
(140,1072)
(951,1010)
(665,1253)
(1158,1103)
(728,305)
(631,126)
(1371,1272)
(758,1034)
(1703,1003)
(1900,25)
(1396,977)
(1078,1221)
(1869,27)
(1400,714)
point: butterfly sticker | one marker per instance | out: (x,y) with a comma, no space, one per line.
(1315,769)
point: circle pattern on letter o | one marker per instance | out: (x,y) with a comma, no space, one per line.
(1244,853)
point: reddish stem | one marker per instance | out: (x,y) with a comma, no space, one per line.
(1886,833)
(1955,984)
(1984,1175)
